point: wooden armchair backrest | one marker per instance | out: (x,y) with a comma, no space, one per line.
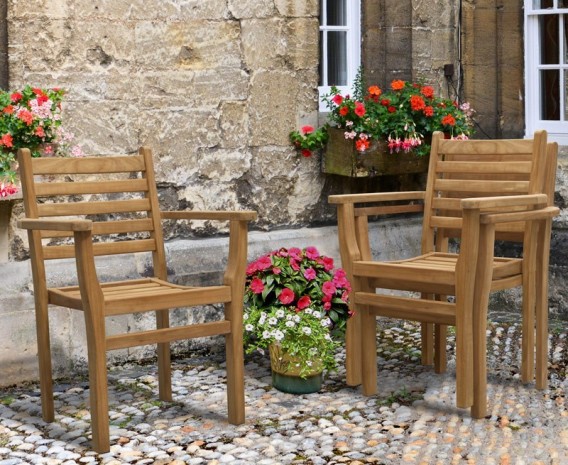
(118,193)
(482,168)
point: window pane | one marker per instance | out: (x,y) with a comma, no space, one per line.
(562,3)
(336,58)
(320,63)
(549,50)
(542,4)
(336,13)
(550,97)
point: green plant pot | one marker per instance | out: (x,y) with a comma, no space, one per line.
(296,384)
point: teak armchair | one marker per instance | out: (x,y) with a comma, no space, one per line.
(120,195)
(477,191)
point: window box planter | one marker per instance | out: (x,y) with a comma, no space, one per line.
(341,158)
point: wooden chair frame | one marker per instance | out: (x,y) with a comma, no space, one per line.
(476,191)
(48,221)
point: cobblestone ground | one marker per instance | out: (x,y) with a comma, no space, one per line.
(412,421)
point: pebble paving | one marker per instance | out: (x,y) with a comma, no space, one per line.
(412,420)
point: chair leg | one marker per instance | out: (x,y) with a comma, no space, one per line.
(542,306)
(164,359)
(440,356)
(368,347)
(44,360)
(353,350)
(528,331)
(98,383)
(427,338)
(235,367)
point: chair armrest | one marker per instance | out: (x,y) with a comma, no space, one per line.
(482,203)
(55,225)
(376,197)
(209,215)
(529,215)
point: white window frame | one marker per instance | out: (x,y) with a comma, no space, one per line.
(557,130)
(353,29)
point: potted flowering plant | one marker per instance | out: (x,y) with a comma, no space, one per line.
(309,139)
(400,121)
(31,118)
(297,306)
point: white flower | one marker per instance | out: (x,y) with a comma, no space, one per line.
(316,314)
(325,322)
(280,313)
(266,334)
(307,330)
(245,316)
(327,337)
(289,317)
(308,311)
(297,318)
(290,324)
(262,318)
(309,363)
(249,327)
(278,335)
(272,321)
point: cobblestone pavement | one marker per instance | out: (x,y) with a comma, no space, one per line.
(412,421)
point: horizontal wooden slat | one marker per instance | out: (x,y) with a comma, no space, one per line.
(489,148)
(446,203)
(407,308)
(117,305)
(521,167)
(389,210)
(484,186)
(101,248)
(109,227)
(209,215)
(93,187)
(88,165)
(445,222)
(376,197)
(494,218)
(94,208)
(394,271)
(167,335)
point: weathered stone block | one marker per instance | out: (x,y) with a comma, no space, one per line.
(223,165)
(264,43)
(234,125)
(243,9)
(272,107)
(35,8)
(297,7)
(302,39)
(188,45)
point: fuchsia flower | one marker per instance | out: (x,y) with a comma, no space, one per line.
(328,288)
(257,286)
(304,302)
(312,253)
(263,263)
(310,274)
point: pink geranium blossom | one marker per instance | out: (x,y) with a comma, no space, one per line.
(286,296)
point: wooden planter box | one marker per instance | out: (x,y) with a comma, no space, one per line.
(340,157)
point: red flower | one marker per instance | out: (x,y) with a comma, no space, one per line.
(16,97)
(343,111)
(257,286)
(306,153)
(263,263)
(417,103)
(286,296)
(42,99)
(328,263)
(6,140)
(307,129)
(337,99)
(26,116)
(427,91)
(39,131)
(397,84)
(391,109)
(362,144)
(8,109)
(385,102)
(448,120)
(304,302)
(428,111)
(359,109)
(38,91)
(251,268)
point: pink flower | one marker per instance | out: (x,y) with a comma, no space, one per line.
(327,305)
(310,274)
(304,302)
(328,288)
(345,297)
(337,99)
(26,116)
(39,131)
(307,129)
(276,270)
(294,264)
(295,253)
(286,296)
(312,253)
(327,263)
(7,189)
(257,286)
(263,263)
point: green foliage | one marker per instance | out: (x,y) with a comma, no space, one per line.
(308,139)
